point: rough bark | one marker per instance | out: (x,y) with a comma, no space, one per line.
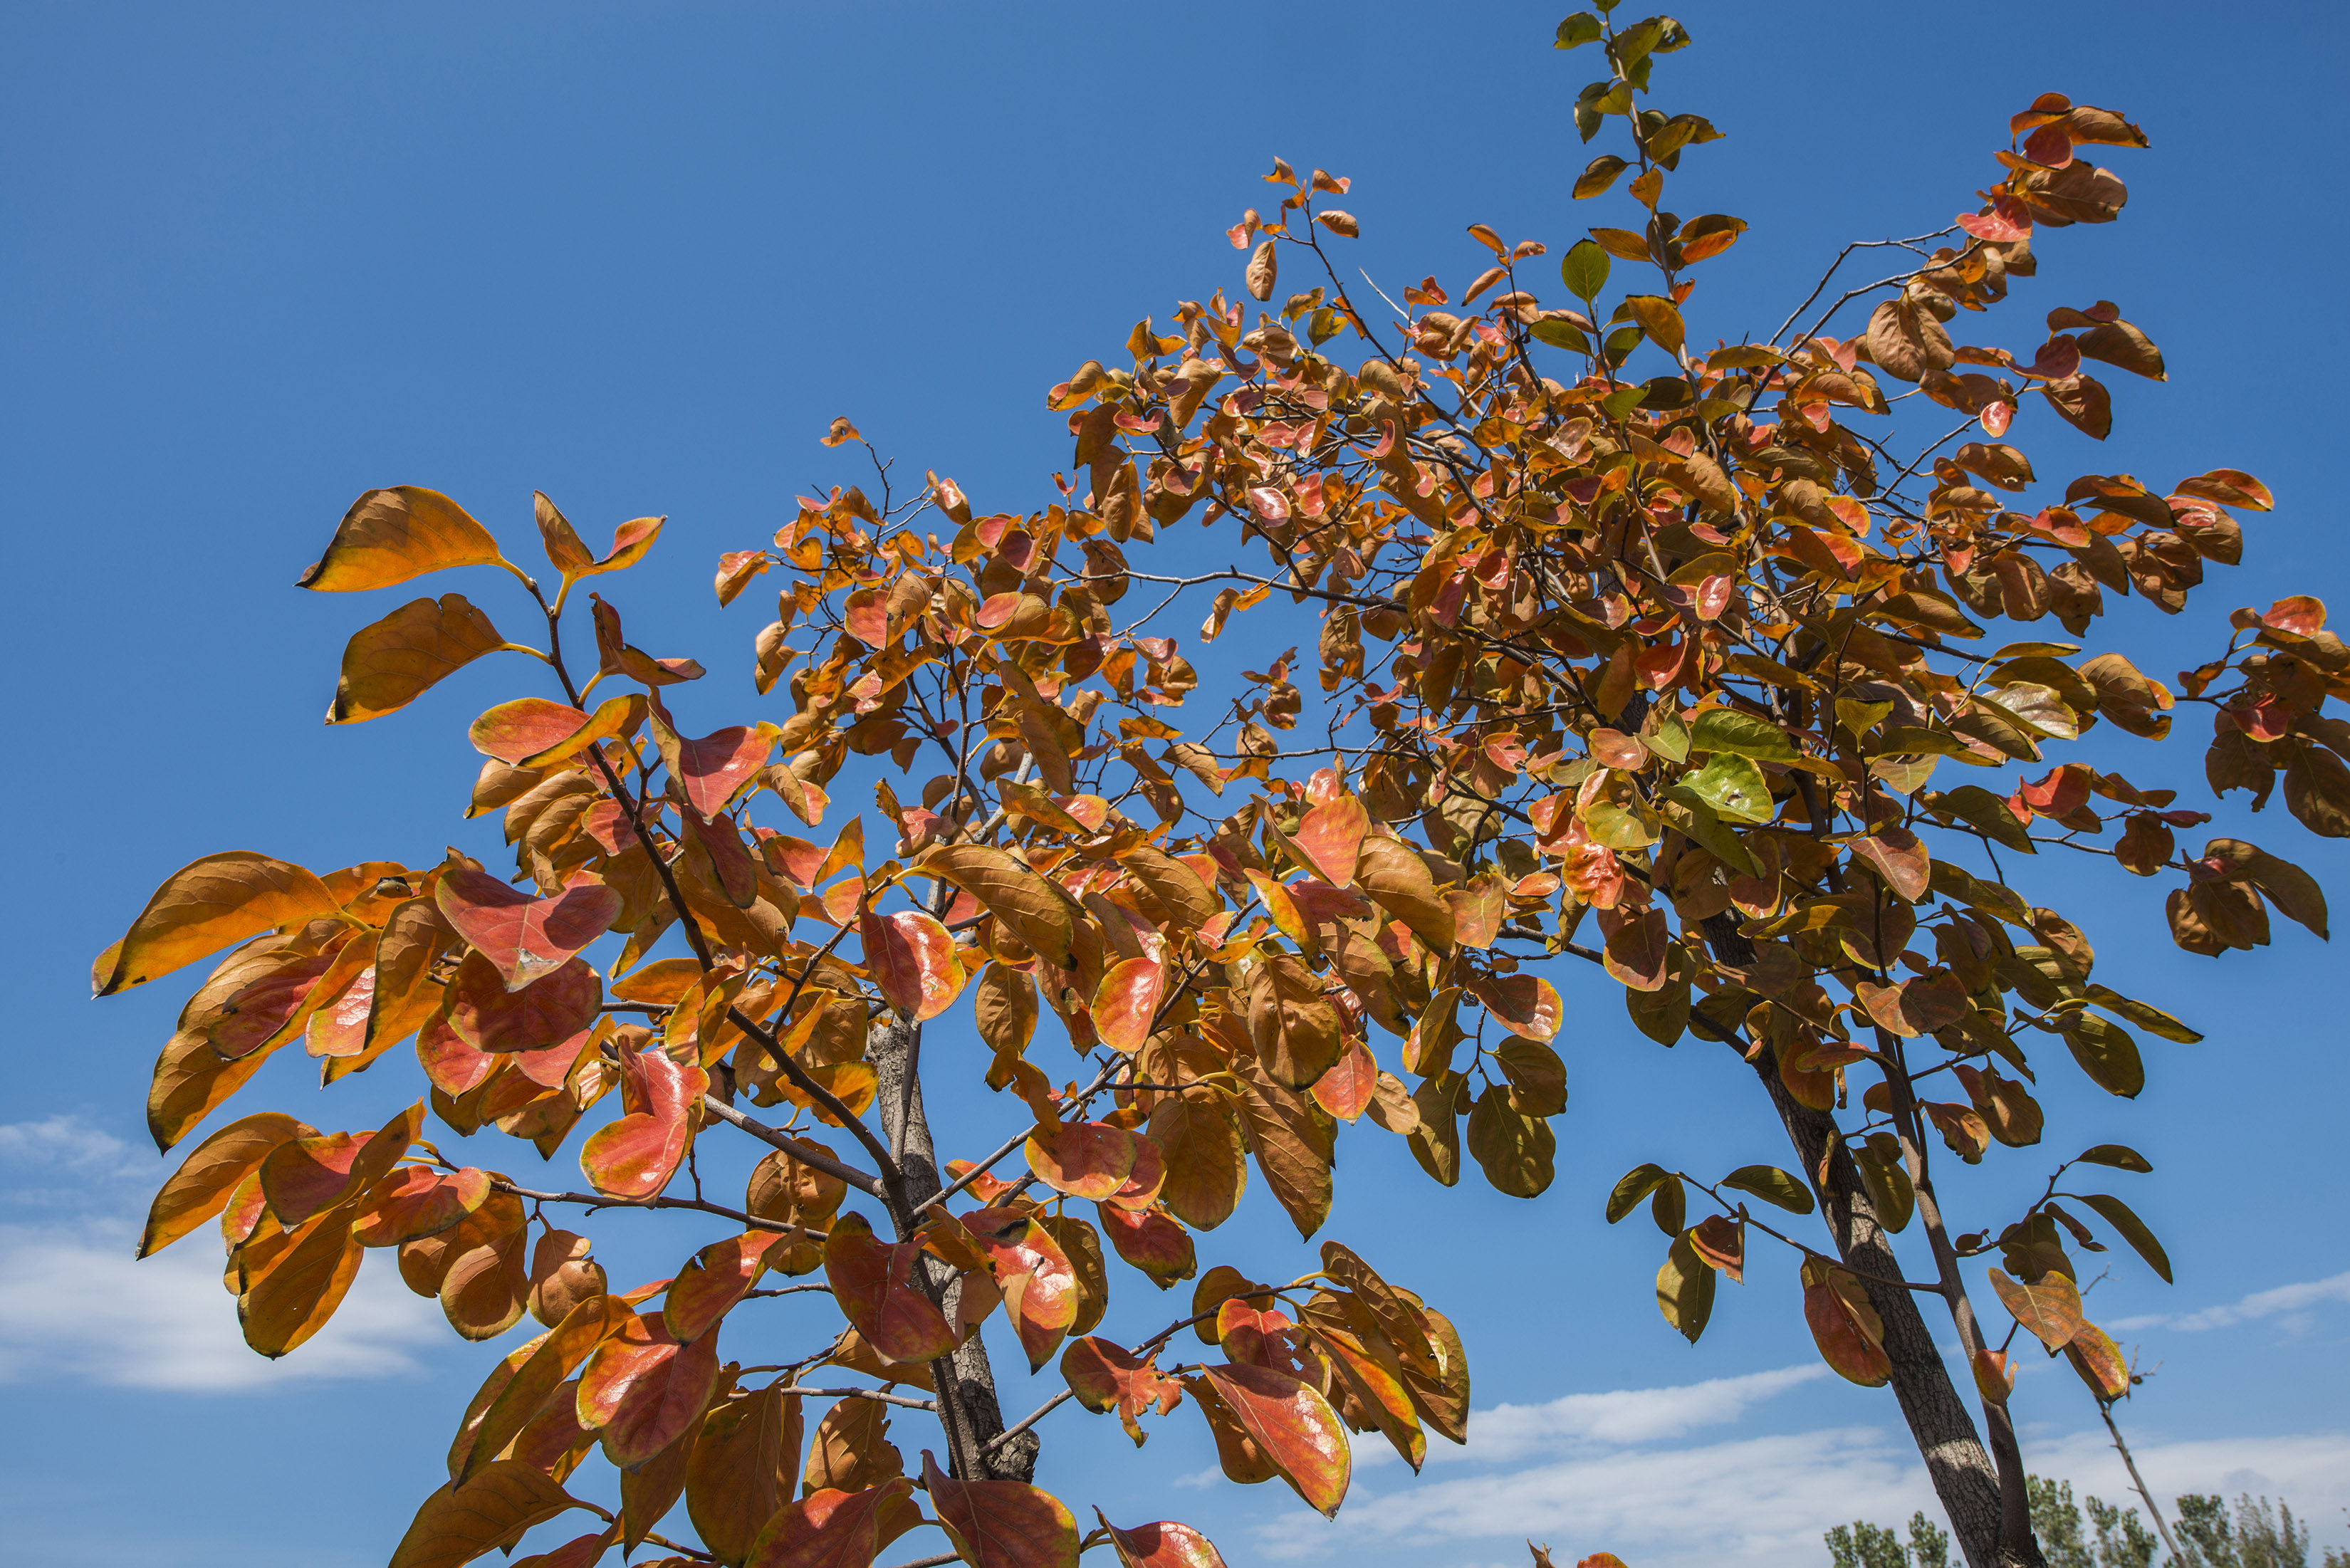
(968,1406)
(1965,1478)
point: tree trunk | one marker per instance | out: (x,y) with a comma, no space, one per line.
(1964,1476)
(967,1408)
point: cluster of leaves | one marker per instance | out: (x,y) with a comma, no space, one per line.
(1653,671)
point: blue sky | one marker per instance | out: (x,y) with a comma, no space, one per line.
(256,259)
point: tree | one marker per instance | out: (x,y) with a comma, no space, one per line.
(1674,645)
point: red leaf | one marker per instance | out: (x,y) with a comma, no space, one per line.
(1165,1544)
(719,1276)
(831,1529)
(710,769)
(1084,1160)
(524,937)
(635,1156)
(1294,1426)
(1332,838)
(872,1280)
(419,1202)
(1524,1004)
(490,1015)
(912,959)
(524,727)
(1126,1005)
(1154,1243)
(310,1174)
(1106,1377)
(1039,1286)
(641,1389)
(1002,1524)
(1346,1090)
(1849,1333)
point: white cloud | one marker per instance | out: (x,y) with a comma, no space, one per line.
(74,1303)
(89,1158)
(1759,1501)
(1593,1472)
(2292,1298)
(1618,1419)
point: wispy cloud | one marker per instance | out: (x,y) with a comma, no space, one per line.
(74,1304)
(66,1159)
(1618,1419)
(1596,1473)
(2294,1298)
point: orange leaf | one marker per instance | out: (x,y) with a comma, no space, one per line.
(391,536)
(206,905)
(1293,1426)
(569,554)
(1084,1160)
(1154,1243)
(635,1156)
(641,1389)
(709,770)
(1125,1006)
(418,1201)
(200,1188)
(490,1015)
(719,1276)
(524,937)
(873,1281)
(514,731)
(389,664)
(457,1524)
(1039,1285)
(1846,1327)
(541,1374)
(1106,1377)
(2049,1310)
(831,1529)
(1346,1090)
(1332,838)
(1002,1525)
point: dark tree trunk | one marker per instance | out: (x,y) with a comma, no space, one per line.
(1964,1476)
(967,1408)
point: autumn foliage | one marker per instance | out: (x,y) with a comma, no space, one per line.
(1635,658)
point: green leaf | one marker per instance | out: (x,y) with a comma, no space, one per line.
(2119,1216)
(1700,824)
(1685,1289)
(1584,269)
(1772,1185)
(1577,30)
(1637,1183)
(1668,1206)
(2121,1156)
(1977,807)
(1742,734)
(1623,399)
(1733,786)
(1560,334)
